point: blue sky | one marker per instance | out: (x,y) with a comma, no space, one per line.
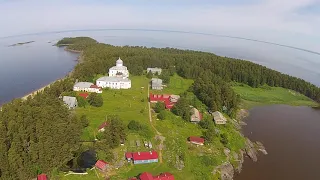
(290,22)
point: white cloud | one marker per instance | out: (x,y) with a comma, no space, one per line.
(271,20)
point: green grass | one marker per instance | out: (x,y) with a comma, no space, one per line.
(177,85)
(126,104)
(270,95)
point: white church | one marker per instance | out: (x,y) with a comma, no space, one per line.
(117,79)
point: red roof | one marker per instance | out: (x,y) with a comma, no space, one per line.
(164,176)
(162,98)
(84,95)
(146,176)
(142,155)
(103,125)
(128,155)
(42,177)
(94,86)
(196,139)
(101,164)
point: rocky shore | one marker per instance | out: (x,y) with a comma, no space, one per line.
(234,162)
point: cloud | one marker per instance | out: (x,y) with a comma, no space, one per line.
(279,21)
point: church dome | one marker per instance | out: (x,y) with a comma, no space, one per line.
(119,62)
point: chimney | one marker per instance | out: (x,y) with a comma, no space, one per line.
(150,152)
(139,153)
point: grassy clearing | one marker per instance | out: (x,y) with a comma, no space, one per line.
(270,95)
(177,85)
(128,104)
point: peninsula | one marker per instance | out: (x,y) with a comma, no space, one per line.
(21,43)
(178,117)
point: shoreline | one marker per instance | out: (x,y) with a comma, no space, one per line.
(79,60)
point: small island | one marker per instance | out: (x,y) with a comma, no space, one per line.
(144,112)
(21,43)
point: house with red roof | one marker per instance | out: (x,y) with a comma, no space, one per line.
(102,165)
(162,176)
(42,177)
(168,100)
(84,95)
(142,157)
(196,140)
(102,126)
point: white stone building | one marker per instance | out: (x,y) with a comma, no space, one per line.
(114,82)
(119,70)
(86,87)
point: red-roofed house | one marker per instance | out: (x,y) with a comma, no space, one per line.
(84,95)
(162,176)
(196,140)
(102,165)
(102,126)
(168,100)
(142,157)
(42,177)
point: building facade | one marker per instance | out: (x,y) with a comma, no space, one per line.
(86,87)
(142,157)
(119,70)
(114,82)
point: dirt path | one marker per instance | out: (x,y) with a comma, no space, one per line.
(159,135)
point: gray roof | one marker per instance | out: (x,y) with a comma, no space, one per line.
(70,101)
(156,82)
(113,79)
(83,84)
(218,115)
(195,115)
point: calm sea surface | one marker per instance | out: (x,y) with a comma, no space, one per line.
(290,134)
(291,137)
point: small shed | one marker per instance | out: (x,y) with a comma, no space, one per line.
(196,140)
(219,118)
(102,126)
(102,165)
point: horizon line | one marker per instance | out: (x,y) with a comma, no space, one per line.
(165,30)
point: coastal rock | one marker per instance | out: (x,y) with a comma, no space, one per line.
(242,113)
(226,171)
(250,150)
(239,158)
(242,123)
(260,147)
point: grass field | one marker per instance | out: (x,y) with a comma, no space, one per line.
(132,104)
(128,104)
(177,86)
(270,95)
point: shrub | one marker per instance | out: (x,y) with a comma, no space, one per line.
(95,100)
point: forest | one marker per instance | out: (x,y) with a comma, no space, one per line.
(213,75)
(38,134)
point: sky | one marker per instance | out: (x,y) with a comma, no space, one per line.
(289,22)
